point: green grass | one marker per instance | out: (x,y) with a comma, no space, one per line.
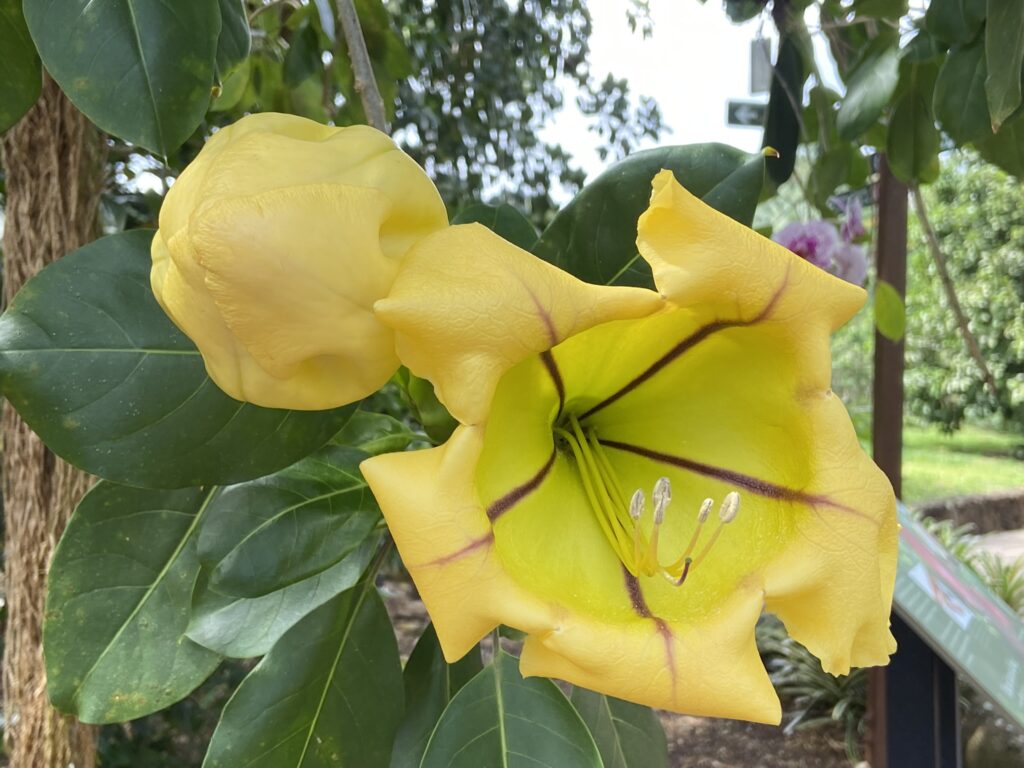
(973,460)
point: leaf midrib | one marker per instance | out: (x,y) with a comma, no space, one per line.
(149,592)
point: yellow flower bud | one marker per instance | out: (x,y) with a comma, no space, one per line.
(274,245)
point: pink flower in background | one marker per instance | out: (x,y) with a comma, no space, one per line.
(820,243)
(852,212)
(850,263)
(813,241)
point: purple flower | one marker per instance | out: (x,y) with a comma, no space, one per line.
(850,263)
(814,241)
(852,227)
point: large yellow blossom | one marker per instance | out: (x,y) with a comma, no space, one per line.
(571,502)
(275,242)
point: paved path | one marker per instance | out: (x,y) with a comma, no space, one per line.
(1007,545)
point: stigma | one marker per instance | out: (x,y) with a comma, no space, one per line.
(623,522)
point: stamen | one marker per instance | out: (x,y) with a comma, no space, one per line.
(705,510)
(662,497)
(730,507)
(636,504)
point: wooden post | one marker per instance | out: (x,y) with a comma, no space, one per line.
(912,704)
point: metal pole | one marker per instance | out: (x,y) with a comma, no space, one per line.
(912,704)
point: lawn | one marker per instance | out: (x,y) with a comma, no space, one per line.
(973,460)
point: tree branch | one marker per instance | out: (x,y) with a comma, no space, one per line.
(947,283)
(366,84)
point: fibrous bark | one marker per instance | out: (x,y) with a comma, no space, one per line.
(53,164)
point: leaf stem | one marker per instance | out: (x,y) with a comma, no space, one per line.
(947,283)
(362,68)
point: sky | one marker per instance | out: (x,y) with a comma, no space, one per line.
(693,63)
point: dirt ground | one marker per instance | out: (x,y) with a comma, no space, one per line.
(693,742)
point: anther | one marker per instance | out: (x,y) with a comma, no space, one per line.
(730,507)
(705,510)
(636,504)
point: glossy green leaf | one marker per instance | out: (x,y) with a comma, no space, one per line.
(785,103)
(1006,148)
(959,101)
(627,735)
(329,694)
(1004,56)
(376,433)
(430,683)
(117,605)
(235,38)
(302,60)
(232,88)
(913,146)
(21,76)
(242,627)
(503,220)
(955,21)
(594,236)
(890,313)
(868,93)
(500,719)
(140,69)
(267,534)
(96,368)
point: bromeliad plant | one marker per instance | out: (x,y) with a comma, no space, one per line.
(634,475)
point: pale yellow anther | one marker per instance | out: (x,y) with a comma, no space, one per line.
(705,511)
(662,497)
(636,504)
(730,507)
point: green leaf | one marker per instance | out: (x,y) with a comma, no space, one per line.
(430,683)
(500,719)
(268,534)
(627,735)
(376,433)
(329,694)
(959,101)
(913,145)
(242,627)
(955,21)
(1004,55)
(881,9)
(303,58)
(785,103)
(890,314)
(232,89)
(870,88)
(594,236)
(96,368)
(235,38)
(503,220)
(117,604)
(140,69)
(21,77)
(1006,148)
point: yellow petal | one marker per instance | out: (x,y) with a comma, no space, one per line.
(273,246)
(712,669)
(445,539)
(294,274)
(467,306)
(702,258)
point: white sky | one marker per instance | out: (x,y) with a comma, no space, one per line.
(693,63)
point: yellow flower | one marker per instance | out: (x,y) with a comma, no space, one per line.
(572,502)
(273,246)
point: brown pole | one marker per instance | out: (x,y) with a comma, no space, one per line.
(887,411)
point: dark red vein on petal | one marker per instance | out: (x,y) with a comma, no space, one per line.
(640,607)
(556,377)
(749,483)
(520,492)
(486,540)
(695,338)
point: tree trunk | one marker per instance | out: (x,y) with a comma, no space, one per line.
(53,161)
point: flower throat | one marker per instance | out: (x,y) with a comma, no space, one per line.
(622,521)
